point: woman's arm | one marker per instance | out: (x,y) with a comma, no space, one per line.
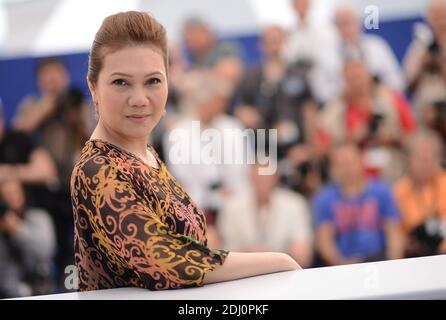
(241,265)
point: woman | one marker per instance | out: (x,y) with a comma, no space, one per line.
(134,224)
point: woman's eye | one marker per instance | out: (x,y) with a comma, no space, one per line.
(154,81)
(120,82)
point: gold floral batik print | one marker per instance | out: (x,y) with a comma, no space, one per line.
(134,225)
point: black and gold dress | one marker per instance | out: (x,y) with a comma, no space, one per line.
(134,225)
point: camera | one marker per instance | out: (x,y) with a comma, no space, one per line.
(72,99)
(3,209)
(375,122)
(433,47)
(440,109)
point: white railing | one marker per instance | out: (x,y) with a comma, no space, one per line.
(416,278)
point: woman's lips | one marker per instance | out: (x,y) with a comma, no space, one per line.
(138,118)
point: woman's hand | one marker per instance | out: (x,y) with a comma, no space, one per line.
(242,265)
(292,264)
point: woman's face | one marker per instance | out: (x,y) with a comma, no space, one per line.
(131,91)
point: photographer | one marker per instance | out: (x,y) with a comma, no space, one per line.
(420,196)
(27,244)
(435,119)
(371,115)
(36,112)
(61,121)
(425,61)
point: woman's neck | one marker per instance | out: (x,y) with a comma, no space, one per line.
(136,146)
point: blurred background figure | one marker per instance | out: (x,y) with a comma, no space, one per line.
(208,182)
(27,245)
(24,160)
(260,91)
(59,118)
(421,196)
(309,47)
(373,50)
(371,115)
(267,218)
(35,113)
(356,218)
(425,69)
(202,48)
(52,81)
(204,53)
(274,95)
(61,122)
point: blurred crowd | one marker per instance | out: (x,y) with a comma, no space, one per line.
(360,148)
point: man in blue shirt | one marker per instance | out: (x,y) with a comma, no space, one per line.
(356,218)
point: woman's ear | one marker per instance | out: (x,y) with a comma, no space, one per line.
(92,88)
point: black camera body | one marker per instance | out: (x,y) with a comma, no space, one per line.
(3,209)
(375,122)
(426,238)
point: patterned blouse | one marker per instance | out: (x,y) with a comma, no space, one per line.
(135,225)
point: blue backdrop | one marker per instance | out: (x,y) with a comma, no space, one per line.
(17,76)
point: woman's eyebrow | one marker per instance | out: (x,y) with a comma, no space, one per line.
(122,74)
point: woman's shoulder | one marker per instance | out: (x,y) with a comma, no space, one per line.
(93,156)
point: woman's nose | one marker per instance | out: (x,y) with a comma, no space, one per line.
(138,97)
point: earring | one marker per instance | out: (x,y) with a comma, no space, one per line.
(96,110)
